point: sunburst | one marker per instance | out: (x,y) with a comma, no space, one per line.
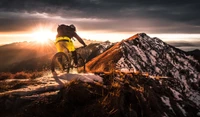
(42,34)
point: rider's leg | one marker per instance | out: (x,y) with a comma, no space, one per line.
(74,55)
(60,48)
(71,48)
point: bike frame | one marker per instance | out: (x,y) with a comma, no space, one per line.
(69,57)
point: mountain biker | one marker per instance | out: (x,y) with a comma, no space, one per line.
(64,37)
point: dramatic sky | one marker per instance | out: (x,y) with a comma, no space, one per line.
(170,20)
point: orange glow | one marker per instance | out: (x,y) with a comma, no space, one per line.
(177,37)
(43,35)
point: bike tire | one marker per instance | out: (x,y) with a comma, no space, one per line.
(80,65)
(62,65)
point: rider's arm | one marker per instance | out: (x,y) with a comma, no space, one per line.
(79,39)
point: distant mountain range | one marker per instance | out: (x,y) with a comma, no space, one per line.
(18,56)
(195,53)
(34,56)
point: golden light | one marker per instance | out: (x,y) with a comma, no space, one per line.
(102,36)
(43,35)
(177,37)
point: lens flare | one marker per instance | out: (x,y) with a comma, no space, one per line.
(43,36)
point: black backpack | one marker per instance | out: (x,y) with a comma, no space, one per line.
(65,30)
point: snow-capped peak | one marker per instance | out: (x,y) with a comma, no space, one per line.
(152,55)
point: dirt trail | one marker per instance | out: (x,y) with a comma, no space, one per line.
(50,83)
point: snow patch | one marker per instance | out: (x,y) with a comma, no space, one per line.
(157,69)
(153,52)
(83,77)
(124,70)
(165,115)
(141,53)
(195,97)
(167,102)
(176,94)
(152,59)
(183,111)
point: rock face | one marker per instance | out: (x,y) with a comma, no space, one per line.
(124,95)
(94,49)
(154,56)
(157,58)
(145,54)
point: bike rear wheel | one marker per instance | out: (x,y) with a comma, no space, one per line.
(60,63)
(80,64)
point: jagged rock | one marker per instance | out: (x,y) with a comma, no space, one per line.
(143,54)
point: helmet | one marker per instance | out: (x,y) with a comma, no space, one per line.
(73,27)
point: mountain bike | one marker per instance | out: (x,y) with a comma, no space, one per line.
(64,62)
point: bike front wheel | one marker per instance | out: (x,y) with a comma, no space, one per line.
(60,63)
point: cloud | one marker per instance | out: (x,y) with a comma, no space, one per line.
(185,45)
(182,44)
(158,16)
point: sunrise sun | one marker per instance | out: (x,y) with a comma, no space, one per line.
(43,35)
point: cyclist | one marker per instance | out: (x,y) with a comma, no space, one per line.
(64,37)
